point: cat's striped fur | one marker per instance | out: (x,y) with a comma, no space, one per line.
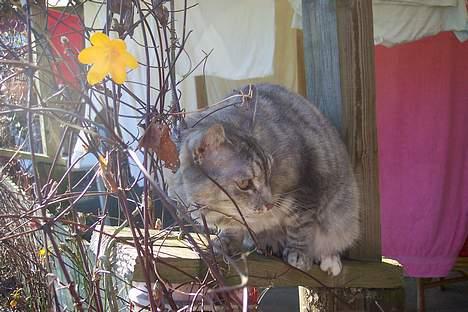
(285,167)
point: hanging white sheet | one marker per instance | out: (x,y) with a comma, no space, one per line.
(405,21)
(240,35)
(399,21)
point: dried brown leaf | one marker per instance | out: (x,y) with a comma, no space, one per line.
(162,14)
(107,176)
(157,138)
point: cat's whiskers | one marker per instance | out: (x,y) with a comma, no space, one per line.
(284,206)
(288,206)
(285,200)
(279,195)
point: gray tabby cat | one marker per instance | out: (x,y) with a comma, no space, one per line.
(275,165)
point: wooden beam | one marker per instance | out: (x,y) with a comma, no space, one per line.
(321,58)
(9,153)
(301,75)
(461,265)
(339,60)
(357,299)
(356,46)
(50,129)
(200,89)
(176,255)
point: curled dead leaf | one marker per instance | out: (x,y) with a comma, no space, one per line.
(162,14)
(158,139)
(107,176)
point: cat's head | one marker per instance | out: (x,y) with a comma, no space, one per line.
(218,163)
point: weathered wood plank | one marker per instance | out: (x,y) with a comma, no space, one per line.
(173,255)
(200,88)
(341,31)
(353,299)
(321,58)
(461,265)
(301,75)
(356,47)
(339,60)
(50,129)
(8,153)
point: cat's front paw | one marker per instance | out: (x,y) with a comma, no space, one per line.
(297,259)
(331,264)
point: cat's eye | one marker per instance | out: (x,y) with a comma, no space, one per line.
(245,184)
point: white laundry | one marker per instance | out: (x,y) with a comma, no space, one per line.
(419,2)
(399,21)
(405,21)
(296,5)
(240,35)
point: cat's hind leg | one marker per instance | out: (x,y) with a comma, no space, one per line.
(327,245)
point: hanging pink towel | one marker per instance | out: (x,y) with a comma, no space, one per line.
(422,120)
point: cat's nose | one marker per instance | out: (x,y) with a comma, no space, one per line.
(269,206)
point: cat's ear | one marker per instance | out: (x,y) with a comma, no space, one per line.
(210,141)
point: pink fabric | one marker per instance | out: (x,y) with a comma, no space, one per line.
(422,120)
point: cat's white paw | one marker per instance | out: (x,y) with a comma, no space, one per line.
(331,264)
(296,258)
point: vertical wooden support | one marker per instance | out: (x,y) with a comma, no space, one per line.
(339,60)
(352,299)
(200,88)
(356,47)
(321,57)
(50,128)
(420,295)
(301,76)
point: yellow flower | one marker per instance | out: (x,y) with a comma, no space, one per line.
(13,303)
(42,252)
(15,296)
(108,56)
(103,162)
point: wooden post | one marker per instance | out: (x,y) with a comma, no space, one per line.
(202,96)
(340,81)
(339,60)
(321,57)
(50,129)
(356,47)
